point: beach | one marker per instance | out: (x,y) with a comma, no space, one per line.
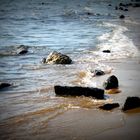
(29,108)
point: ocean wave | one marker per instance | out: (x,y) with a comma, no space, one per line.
(120,45)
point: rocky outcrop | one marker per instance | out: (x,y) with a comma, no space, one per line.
(4,85)
(57,58)
(131,103)
(79,91)
(109,106)
(111,83)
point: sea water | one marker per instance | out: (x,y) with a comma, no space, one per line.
(81,29)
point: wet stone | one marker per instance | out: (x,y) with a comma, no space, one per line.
(131,103)
(109,106)
(111,83)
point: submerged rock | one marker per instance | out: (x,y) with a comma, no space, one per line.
(98,72)
(57,58)
(109,106)
(136,5)
(131,103)
(4,85)
(111,83)
(121,8)
(116,7)
(125,9)
(22,49)
(122,17)
(106,51)
(79,91)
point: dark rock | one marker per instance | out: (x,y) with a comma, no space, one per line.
(122,17)
(79,91)
(121,8)
(98,72)
(122,4)
(136,5)
(44,60)
(116,7)
(106,51)
(131,103)
(111,83)
(98,14)
(4,85)
(129,4)
(88,13)
(109,106)
(22,49)
(125,9)
(109,5)
(57,58)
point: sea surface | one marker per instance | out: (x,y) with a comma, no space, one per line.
(81,29)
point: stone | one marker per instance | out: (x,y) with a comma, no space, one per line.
(125,9)
(22,49)
(109,106)
(98,73)
(4,85)
(116,7)
(131,103)
(122,17)
(111,83)
(109,5)
(136,5)
(106,51)
(121,4)
(79,91)
(57,58)
(89,13)
(121,8)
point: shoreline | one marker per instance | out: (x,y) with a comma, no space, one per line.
(89,124)
(73,119)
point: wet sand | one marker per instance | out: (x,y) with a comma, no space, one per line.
(89,124)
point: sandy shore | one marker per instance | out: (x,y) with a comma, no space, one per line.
(89,124)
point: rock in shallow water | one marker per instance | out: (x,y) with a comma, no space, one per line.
(57,58)
(131,103)
(109,106)
(98,72)
(106,51)
(122,17)
(22,49)
(79,91)
(4,85)
(111,83)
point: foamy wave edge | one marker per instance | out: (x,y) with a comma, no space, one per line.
(120,45)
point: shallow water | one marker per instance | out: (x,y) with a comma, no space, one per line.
(61,26)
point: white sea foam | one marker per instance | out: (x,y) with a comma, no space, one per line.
(120,45)
(117,42)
